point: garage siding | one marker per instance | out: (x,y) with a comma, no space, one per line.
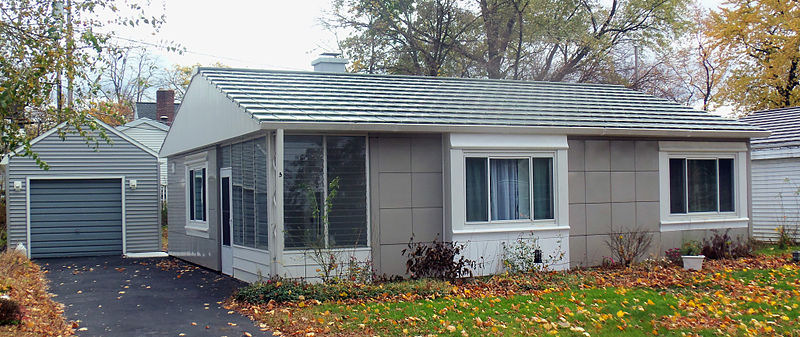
(72,157)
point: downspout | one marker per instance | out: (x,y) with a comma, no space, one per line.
(277,203)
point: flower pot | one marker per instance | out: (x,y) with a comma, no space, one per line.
(693,262)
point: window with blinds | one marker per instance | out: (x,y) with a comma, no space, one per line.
(311,166)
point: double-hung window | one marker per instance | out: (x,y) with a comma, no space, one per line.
(325,191)
(507,189)
(701,185)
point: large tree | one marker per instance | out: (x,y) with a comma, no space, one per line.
(556,40)
(48,51)
(760,44)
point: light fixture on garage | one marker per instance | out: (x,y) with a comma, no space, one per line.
(132,183)
(17,185)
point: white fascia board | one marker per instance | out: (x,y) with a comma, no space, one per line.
(539,130)
(698,146)
(206,116)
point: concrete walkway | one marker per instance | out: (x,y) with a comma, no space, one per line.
(114,296)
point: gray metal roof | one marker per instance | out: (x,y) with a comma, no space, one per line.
(315,97)
(783,123)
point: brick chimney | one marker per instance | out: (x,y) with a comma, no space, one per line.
(165,106)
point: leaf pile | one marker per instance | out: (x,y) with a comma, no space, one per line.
(24,282)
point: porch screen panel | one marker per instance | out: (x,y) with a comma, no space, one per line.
(303,191)
(346,160)
(248,195)
(262,199)
(236,180)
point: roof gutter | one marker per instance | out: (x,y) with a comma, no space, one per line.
(569,131)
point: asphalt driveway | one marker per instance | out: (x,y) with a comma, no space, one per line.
(113,296)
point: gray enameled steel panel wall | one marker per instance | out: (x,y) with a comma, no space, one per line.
(192,248)
(405,195)
(72,157)
(613,188)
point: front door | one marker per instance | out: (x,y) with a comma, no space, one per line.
(225,222)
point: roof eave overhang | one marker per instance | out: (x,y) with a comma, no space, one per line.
(569,131)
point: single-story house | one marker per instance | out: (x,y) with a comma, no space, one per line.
(254,154)
(95,199)
(776,173)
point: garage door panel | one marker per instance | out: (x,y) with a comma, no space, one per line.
(79,210)
(60,224)
(90,234)
(55,198)
(75,217)
(73,204)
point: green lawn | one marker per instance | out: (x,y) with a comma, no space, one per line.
(743,297)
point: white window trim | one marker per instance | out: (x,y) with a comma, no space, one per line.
(704,220)
(195,227)
(508,146)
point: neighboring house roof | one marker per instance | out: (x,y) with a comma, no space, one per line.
(146,131)
(148,110)
(317,98)
(143,122)
(783,123)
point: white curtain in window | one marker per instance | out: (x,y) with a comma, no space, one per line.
(509,189)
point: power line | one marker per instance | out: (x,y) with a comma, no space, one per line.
(187,51)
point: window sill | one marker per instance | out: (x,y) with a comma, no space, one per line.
(256,250)
(335,250)
(197,230)
(507,229)
(699,223)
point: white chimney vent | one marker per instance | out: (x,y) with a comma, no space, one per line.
(330,63)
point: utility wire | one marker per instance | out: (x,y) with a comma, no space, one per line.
(204,54)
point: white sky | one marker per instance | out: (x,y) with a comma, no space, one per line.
(267,34)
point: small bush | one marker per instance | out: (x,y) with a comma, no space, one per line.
(722,246)
(628,246)
(283,290)
(525,256)
(10,312)
(438,260)
(673,255)
(786,236)
(691,248)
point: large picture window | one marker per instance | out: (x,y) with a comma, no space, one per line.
(500,189)
(701,185)
(197,194)
(248,163)
(311,165)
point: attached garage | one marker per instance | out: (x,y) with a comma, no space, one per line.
(95,199)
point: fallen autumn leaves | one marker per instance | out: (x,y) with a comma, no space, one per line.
(24,282)
(747,297)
